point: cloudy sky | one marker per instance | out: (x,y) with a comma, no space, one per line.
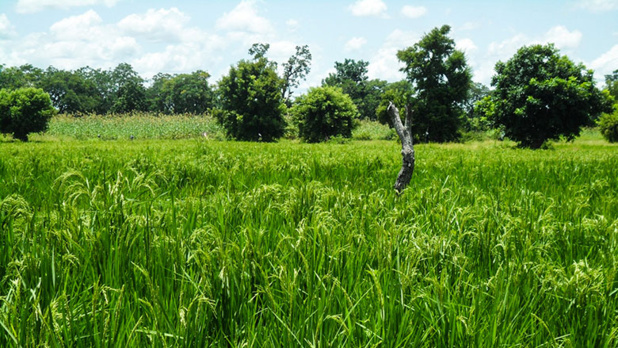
(183,36)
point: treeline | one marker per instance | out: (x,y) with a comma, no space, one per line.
(119,90)
(538,94)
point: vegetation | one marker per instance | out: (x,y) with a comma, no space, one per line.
(608,125)
(541,95)
(199,243)
(24,111)
(441,80)
(251,106)
(351,77)
(324,112)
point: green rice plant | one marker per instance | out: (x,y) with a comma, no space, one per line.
(202,243)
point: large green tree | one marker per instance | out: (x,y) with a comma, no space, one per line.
(24,111)
(250,101)
(69,91)
(541,95)
(611,83)
(441,79)
(183,93)
(352,77)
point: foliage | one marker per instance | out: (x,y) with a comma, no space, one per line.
(611,83)
(399,93)
(608,125)
(541,95)
(183,93)
(138,126)
(351,77)
(197,243)
(24,111)
(441,78)
(295,70)
(250,100)
(70,92)
(324,112)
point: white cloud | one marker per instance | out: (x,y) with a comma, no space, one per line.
(563,38)
(414,11)
(156,25)
(81,27)
(292,24)
(245,18)
(6,28)
(355,44)
(31,6)
(368,8)
(384,64)
(606,63)
(598,5)
(466,45)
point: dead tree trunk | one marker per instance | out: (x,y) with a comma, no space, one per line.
(407,147)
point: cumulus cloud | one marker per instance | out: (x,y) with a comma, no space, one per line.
(355,44)
(559,35)
(6,28)
(245,18)
(368,8)
(384,63)
(563,38)
(32,6)
(598,5)
(466,45)
(606,63)
(166,25)
(413,11)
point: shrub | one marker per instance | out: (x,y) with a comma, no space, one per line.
(24,111)
(251,105)
(608,125)
(324,112)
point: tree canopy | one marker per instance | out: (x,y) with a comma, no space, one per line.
(441,80)
(541,95)
(24,111)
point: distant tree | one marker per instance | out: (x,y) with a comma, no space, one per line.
(541,95)
(400,94)
(259,50)
(184,93)
(441,80)
(18,77)
(351,76)
(70,92)
(129,90)
(611,83)
(251,106)
(105,89)
(24,111)
(295,70)
(324,112)
(476,121)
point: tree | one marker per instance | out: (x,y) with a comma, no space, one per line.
(250,100)
(70,92)
(184,93)
(611,83)
(24,111)
(128,88)
(352,77)
(324,112)
(541,95)
(608,125)
(398,93)
(441,79)
(404,131)
(295,70)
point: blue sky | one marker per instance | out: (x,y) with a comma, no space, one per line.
(183,36)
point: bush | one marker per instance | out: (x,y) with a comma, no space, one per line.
(608,125)
(24,111)
(251,105)
(323,113)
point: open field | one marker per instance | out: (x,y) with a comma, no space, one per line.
(197,243)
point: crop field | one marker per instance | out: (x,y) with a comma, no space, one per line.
(196,242)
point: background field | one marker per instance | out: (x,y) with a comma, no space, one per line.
(198,242)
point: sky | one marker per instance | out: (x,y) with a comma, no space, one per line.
(184,36)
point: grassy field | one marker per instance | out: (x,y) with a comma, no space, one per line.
(197,243)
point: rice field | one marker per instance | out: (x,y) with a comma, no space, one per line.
(197,243)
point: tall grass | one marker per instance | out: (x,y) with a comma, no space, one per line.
(198,243)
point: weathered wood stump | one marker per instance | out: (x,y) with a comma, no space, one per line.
(407,146)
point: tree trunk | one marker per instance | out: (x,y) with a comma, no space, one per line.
(407,147)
